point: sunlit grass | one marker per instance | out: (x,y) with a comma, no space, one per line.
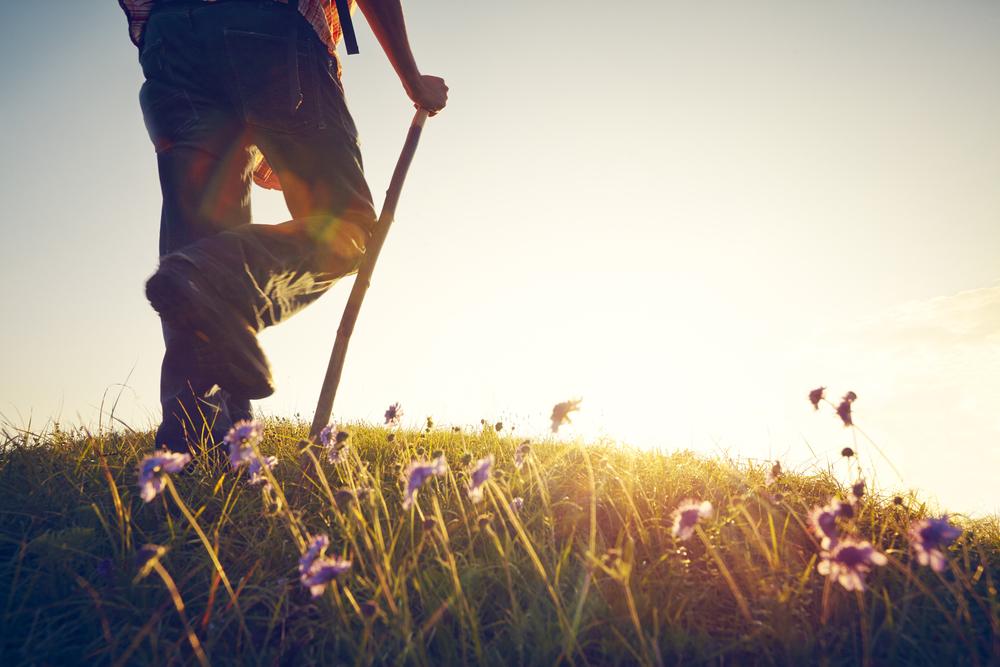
(587,571)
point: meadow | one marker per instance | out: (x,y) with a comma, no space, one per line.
(488,550)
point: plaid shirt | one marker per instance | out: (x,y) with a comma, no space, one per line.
(321,15)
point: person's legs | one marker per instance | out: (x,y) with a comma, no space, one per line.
(283,81)
(283,86)
(204,176)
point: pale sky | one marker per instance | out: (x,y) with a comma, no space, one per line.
(688,214)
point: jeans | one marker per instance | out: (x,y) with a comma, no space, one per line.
(221,79)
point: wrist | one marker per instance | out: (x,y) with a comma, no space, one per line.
(411,78)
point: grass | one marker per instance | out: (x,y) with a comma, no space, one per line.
(588,572)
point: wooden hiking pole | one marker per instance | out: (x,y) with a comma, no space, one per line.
(324,407)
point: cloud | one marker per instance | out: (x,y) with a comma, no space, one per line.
(971,317)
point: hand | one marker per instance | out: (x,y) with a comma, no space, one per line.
(428,92)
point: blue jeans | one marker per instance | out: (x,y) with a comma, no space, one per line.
(222,78)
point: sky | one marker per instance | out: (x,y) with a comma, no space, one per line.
(686,214)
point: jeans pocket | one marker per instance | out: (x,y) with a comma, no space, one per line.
(332,100)
(274,79)
(167,111)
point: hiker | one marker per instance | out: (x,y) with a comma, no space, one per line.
(239,91)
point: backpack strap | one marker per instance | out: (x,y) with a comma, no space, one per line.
(346,26)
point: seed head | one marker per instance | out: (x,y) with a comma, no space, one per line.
(521,453)
(857,491)
(773,474)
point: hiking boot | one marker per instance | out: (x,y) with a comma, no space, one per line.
(224,343)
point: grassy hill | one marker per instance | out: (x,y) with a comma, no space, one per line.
(586,568)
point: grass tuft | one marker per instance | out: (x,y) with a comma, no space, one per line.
(587,571)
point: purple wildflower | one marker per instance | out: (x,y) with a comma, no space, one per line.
(823,523)
(417,473)
(257,467)
(849,561)
(815,396)
(687,515)
(857,492)
(516,504)
(560,413)
(393,414)
(322,571)
(843,509)
(844,409)
(929,538)
(521,453)
(241,439)
(331,436)
(337,453)
(154,467)
(327,434)
(316,549)
(479,474)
